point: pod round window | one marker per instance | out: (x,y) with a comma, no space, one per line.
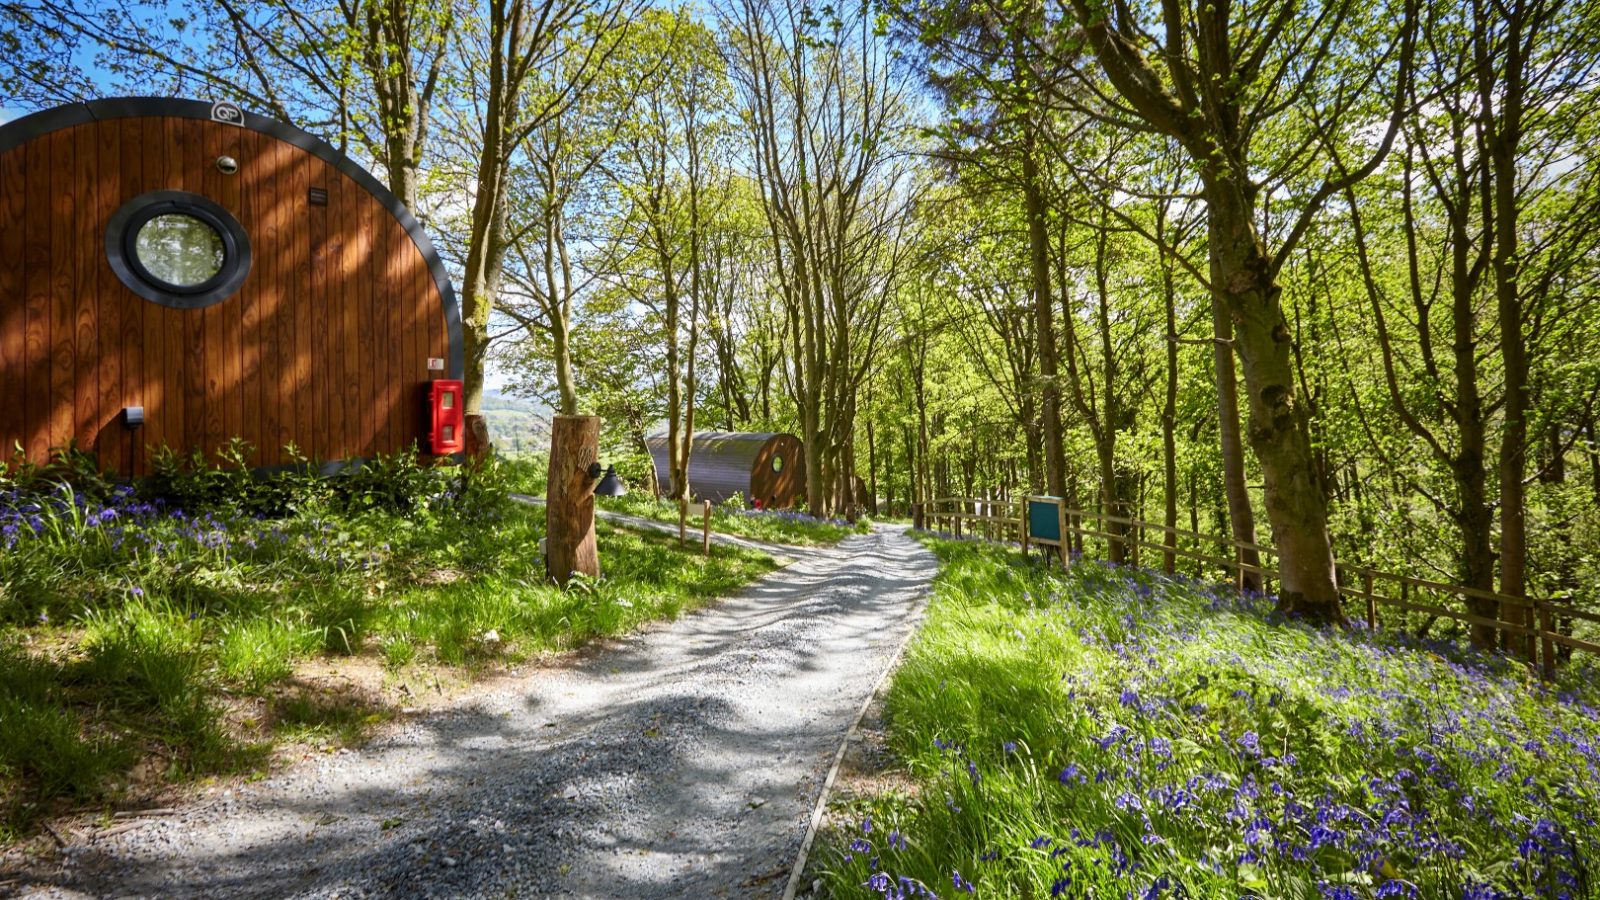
(178,249)
(777,463)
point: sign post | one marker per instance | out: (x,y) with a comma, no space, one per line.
(1045,524)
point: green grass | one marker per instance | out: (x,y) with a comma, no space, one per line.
(143,636)
(778,526)
(1114,732)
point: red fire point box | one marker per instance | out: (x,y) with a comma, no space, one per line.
(444,417)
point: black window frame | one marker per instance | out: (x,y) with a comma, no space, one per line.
(122,234)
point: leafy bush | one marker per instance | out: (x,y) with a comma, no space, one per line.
(395,482)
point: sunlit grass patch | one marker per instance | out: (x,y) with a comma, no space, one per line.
(1115,732)
(780,526)
(257,653)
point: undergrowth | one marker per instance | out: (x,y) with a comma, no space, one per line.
(1114,732)
(166,625)
(780,526)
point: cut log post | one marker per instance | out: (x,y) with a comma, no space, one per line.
(569,499)
(476,433)
(683,521)
(708,527)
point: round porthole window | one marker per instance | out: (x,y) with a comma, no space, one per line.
(178,249)
(777,464)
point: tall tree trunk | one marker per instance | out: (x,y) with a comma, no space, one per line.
(1044,322)
(1504,139)
(1592,428)
(484,267)
(1296,504)
(1169,427)
(872,471)
(1241,515)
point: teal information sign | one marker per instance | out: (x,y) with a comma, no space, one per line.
(1043,522)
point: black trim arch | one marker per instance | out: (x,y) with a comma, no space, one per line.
(20,131)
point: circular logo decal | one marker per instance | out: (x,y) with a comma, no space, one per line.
(223,111)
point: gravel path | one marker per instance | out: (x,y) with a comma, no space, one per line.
(679,762)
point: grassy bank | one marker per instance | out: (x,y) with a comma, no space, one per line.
(781,526)
(1116,733)
(784,526)
(143,642)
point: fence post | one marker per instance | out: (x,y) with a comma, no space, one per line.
(1061,531)
(916,516)
(1546,629)
(1372,601)
(1022,527)
(683,520)
(708,527)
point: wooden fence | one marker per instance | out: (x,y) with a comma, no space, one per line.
(1009,521)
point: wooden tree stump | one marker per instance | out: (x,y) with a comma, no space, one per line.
(476,432)
(569,499)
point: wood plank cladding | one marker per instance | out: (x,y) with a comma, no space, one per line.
(325,345)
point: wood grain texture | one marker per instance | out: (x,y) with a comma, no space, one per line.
(35,434)
(325,381)
(295,355)
(325,344)
(63,302)
(13,299)
(114,441)
(84,308)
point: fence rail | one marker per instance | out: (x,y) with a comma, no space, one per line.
(1008,520)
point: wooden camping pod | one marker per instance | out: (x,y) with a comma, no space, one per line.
(766,467)
(307,306)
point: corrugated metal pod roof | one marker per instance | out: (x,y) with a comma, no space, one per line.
(769,467)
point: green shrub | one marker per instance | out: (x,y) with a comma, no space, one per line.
(395,482)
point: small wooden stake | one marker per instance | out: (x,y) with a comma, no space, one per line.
(683,520)
(1022,527)
(1547,627)
(708,527)
(1372,601)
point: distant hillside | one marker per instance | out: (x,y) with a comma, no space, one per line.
(516,425)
